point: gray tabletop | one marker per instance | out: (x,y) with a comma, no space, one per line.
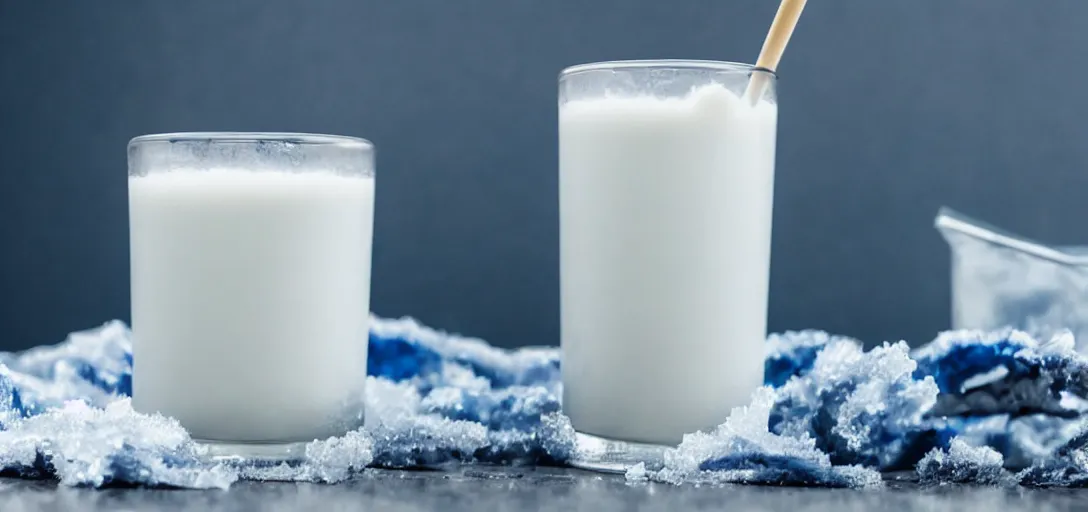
(493,488)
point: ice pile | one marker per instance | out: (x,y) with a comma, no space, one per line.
(436,398)
(85,445)
(1006,390)
(832,414)
(405,350)
(1005,372)
(1068,467)
(793,353)
(432,398)
(454,424)
(963,463)
(329,461)
(860,407)
(742,450)
(1002,389)
(94,366)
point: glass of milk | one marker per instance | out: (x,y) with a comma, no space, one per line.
(250,261)
(666,178)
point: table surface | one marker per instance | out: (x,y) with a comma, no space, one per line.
(497,488)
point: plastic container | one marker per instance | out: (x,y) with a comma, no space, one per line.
(1004,280)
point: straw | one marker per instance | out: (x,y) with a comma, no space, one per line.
(773,47)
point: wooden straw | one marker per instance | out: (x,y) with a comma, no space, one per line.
(773,47)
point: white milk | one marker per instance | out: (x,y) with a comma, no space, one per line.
(250,296)
(665,216)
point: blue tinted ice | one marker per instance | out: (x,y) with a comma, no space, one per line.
(328,461)
(742,450)
(94,366)
(404,436)
(1021,440)
(88,446)
(832,415)
(1002,389)
(85,445)
(1066,471)
(963,463)
(1005,372)
(793,353)
(524,423)
(1067,467)
(11,402)
(1006,390)
(404,349)
(438,398)
(469,401)
(859,407)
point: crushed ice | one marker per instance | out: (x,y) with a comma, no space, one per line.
(742,450)
(963,463)
(860,407)
(968,407)
(85,445)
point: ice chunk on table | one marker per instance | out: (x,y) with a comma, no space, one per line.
(457,399)
(1002,389)
(1069,470)
(1004,372)
(742,450)
(860,407)
(11,403)
(329,461)
(1021,440)
(94,366)
(963,463)
(466,383)
(87,446)
(405,436)
(1066,467)
(509,425)
(436,398)
(403,349)
(792,353)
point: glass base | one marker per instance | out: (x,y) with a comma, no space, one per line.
(220,451)
(595,453)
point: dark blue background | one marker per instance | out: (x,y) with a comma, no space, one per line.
(889,109)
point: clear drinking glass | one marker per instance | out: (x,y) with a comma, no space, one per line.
(250,262)
(666,175)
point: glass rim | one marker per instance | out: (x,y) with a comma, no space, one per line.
(677,64)
(312,139)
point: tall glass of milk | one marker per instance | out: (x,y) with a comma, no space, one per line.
(250,261)
(666,178)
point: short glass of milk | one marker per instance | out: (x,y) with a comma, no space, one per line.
(250,266)
(666,177)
